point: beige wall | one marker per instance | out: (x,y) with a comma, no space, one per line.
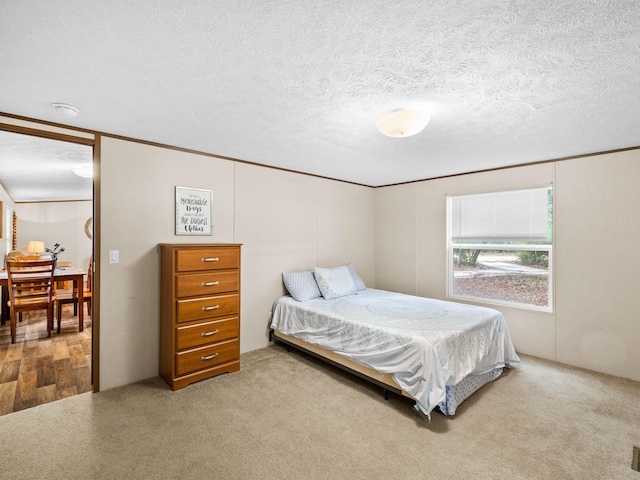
(7,205)
(395,239)
(57,222)
(597,263)
(595,322)
(285,221)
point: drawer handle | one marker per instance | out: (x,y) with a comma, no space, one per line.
(208,334)
(210,284)
(209,259)
(208,309)
(208,357)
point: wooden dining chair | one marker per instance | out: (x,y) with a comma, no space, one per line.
(70,296)
(31,287)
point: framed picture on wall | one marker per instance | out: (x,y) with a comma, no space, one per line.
(194,211)
(1,219)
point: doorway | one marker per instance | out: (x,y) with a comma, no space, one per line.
(47,199)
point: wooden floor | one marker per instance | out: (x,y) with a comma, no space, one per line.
(36,369)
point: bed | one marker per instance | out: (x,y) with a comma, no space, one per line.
(436,352)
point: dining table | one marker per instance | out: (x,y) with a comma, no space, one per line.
(76,275)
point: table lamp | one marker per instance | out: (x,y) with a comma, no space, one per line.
(35,246)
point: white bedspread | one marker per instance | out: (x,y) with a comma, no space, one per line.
(425,344)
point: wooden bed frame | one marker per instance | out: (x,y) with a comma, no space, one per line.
(383,380)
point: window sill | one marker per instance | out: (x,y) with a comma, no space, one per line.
(500,303)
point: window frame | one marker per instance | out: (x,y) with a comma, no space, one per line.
(512,246)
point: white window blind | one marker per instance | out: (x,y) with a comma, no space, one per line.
(514,215)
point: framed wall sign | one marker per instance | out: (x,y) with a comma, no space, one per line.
(194,211)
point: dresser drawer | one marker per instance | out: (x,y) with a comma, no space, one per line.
(192,259)
(207,307)
(208,356)
(210,283)
(190,336)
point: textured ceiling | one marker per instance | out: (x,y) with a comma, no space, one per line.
(34,169)
(299,85)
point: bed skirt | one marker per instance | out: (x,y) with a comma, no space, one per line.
(456,394)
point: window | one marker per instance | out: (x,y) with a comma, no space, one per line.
(500,247)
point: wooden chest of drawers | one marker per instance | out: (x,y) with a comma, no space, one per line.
(200,312)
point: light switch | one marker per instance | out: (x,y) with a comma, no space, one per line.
(114,256)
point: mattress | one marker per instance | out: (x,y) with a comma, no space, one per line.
(427,346)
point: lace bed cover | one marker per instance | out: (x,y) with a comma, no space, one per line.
(427,345)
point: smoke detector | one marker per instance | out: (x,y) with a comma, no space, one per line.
(66,109)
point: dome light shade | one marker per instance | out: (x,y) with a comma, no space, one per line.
(85,171)
(402,123)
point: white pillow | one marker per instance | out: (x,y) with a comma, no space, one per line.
(356,278)
(335,282)
(301,286)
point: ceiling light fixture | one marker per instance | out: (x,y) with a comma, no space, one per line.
(85,171)
(402,122)
(66,109)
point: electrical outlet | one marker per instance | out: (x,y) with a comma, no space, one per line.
(635,463)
